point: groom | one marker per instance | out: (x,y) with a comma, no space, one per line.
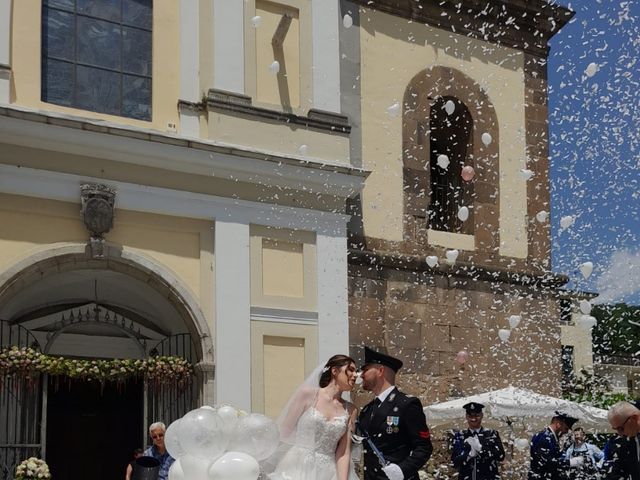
(394,423)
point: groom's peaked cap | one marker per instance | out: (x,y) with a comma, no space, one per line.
(569,420)
(371,356)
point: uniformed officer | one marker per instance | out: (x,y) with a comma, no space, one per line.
(397,440)
(477,451)
(547,461)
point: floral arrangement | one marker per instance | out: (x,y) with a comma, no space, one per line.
(28,362)
(33,469)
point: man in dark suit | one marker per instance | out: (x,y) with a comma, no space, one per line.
(547,461)
(397,440)
(477,451)
(624,418)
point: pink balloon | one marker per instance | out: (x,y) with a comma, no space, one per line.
(461,357)
(467,173)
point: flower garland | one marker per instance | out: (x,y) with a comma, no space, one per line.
(28,362)
(33,469)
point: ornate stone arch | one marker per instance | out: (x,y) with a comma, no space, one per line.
(422,90)
(60,258)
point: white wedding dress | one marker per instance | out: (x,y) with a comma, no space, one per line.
(313,454)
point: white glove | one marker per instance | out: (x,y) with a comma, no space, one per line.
(474,443)
(576,461)
(472,453)
(393,472)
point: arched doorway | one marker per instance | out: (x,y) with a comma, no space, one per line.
(122,306)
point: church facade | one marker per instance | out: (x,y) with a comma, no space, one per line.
(252,186)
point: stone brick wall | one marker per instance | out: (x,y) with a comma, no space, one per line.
(425,319)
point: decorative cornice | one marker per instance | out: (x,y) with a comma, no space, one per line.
(242,104)
(418,263)
(523,24)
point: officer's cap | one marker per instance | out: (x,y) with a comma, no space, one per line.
(473,408)
(569,420)
(371,356)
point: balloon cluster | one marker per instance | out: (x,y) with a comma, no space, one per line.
(220,444)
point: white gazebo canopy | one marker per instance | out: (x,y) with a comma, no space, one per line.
(517,405)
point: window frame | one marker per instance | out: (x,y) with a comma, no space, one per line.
(122,73)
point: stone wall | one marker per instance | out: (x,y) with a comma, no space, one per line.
(425,318)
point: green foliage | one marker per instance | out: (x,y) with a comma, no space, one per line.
(28,363)
(614,334)
(592,390)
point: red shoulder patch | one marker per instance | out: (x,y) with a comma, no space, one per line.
(426,434)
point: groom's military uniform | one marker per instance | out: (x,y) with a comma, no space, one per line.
(396,426)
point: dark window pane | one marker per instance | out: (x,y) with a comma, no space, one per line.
(136,97)
(57,82)
(137,13)
(136,51)
(98,43)
(66,4)
(57,34)
(107,9)
(98,90)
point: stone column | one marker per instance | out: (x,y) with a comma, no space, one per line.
(189,68)
(233,309)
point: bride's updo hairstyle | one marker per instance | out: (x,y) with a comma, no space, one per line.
(337,361)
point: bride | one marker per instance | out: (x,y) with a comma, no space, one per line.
(316,425)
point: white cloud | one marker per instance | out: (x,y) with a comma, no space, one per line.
(621,280)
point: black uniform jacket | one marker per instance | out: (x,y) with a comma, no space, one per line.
(547,461)
(485,465)
(624,463)
(398,428)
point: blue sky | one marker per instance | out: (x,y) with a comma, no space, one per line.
(594,109)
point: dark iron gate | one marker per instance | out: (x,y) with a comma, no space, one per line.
(20,407)
(168,403)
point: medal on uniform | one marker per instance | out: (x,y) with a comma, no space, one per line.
(393,423)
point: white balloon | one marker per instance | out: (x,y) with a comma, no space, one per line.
(585,307)
(592,69)
(256,21)
(303,149)
(452,255)
(274,67)
(393,110)
(257,435)
(229,416)
(432,261)
(586,268)
(542,216)
(521,443)
(486,138)
(449,107)
(567,221)
(171,440)
(443,161)
(504,334)
(587,321)
(234,466)
(463,213)
(175,470)
(195,468)
(514,321)
(347,21)
(208,407)
(526,174)
(201,434)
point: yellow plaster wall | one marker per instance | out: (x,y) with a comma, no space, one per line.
(282,355)
(283,269)
(184,246)
(393,51)
(282,88)
(279,137)
(262,85)
(26,66)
